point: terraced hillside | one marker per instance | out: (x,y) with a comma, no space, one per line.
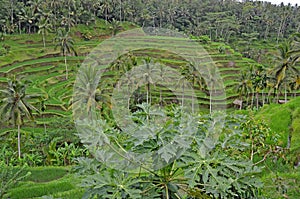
(44,69)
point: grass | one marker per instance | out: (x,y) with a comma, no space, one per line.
(31,190)
(283,119)
(55,181)
(282,185)
(45,174)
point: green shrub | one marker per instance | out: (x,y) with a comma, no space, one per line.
(208,166)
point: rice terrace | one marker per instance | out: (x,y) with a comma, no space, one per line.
(128,99)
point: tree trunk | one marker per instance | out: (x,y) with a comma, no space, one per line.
(247,100)
(252,100)
(285,93)
(160,98)
(263,97)
(241,105)
(106,15)
(20,27)
(257,100)
(266,32)
(44,42)
(182,100)
(12,12)
(19,141)
(120,10)
(128,103)
(66,67)
(210,102)
(288,145)
(148,93)
(193,103)
(279,30)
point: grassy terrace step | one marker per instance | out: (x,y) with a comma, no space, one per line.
(55,89)
(10,68)
(54,102)
(45,120)
(61,113)
(45,181)
(3,79)
(73,193)
(35,70)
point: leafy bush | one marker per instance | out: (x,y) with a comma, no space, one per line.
(191,157)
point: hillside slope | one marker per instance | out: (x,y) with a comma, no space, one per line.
(46,70)
(285,120)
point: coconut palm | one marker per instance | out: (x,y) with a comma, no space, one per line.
(244,87)
(287,58)
(84,100)
(15,105)
(259,82)
(44,28)
(212,83)
(190,73)
(295,83)
(28,17)
(149,73)
(115,26)
(182,82)
(106,7)
(66,45)
(164,78)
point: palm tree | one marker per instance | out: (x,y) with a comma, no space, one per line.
(163,70)
(189,73)
(182,82)
(288,57)
(115,27)
(14,106)
(85,86)
(66,45)
(212,83)
(44,28)
(244,87)
(259,82)
(295,83)
(129,82)
(28,17)
(148,74)
(106,7)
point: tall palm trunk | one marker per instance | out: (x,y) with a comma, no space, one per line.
(66,66)
(182,99)
(19,141)
(148,93)
(263,97)
(210,101)
(241,105)
(252,100)
(160,97)
(285,94)
(44,42)
(106,15)
(193,102)
(256,99)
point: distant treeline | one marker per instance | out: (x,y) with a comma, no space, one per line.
(221,20)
